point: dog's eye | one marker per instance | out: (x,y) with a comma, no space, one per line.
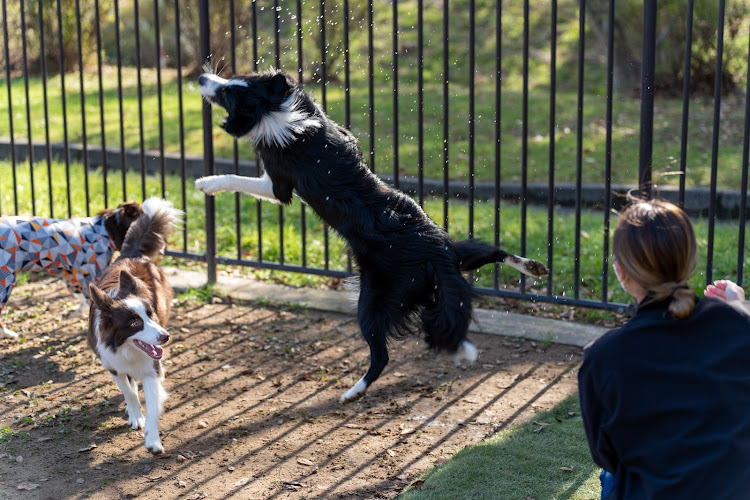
(135,323)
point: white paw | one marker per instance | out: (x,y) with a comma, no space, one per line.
(137,421)
(466,352)
(353,394)
(153,444)
(8,334)
(208,185)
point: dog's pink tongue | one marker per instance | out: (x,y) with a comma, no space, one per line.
(153,351)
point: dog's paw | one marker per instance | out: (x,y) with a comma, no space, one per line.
(467,352)
(7,334)
(154,445)
(137,421)
(209,184)
(354,393)
(535,268)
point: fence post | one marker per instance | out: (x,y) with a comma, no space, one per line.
(208,148)
(647,97)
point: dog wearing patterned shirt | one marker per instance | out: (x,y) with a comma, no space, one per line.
(78,250)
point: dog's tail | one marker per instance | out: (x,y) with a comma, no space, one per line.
(147,236)
(474,254)
(446,318)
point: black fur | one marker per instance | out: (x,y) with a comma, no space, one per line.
(410,268)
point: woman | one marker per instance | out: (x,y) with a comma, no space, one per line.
(666,397)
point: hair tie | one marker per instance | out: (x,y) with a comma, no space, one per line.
(679,287)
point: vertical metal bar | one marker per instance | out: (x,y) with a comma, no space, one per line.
(181,120)
(300,76)
(715,143)
(743,190)
(498,128)
(524,133)
(394,40)
(208,147)
(43,58)
(608,148)
(84,139)
(63,102)
(686,100)
(348,97)
(139,88)
(323,83)
(371,78)
(579,148)
(446,115)
(552,132)
(420,101)
(235,145)
(123,165)
(101,102)
(472,124)
(9,83)
(258,206)
(647,97)
(157,43)
(277,60)
(28,104)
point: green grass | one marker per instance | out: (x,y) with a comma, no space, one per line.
(624,140)
(246,244)
(520,463)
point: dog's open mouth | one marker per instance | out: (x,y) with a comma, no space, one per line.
(153,351)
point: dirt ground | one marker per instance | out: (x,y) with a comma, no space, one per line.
(253,410)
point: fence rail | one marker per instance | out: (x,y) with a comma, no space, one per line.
(497,117)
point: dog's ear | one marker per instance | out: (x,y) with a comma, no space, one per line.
(127,284)
(130,209)
(281,85)
(101,299)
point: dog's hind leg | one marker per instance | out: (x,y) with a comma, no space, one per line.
(129,390)
(7,282)
(374,325)
(155,395)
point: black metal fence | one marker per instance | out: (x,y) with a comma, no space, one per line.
(504,120)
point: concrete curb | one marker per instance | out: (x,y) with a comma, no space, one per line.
(485,321)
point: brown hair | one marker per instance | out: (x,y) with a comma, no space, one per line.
(654,244)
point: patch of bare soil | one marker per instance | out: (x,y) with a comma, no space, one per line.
(253,410)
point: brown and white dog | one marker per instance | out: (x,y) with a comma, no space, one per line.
(128,316)
(78,250)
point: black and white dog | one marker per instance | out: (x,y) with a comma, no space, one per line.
(129,312)
(410,268)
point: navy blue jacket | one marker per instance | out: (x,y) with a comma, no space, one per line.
(666,403)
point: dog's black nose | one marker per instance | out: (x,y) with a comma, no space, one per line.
(202,80)
(163,338)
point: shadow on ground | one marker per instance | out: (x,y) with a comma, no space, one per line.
(253,409)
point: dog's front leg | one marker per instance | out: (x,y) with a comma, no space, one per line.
(129,390)
(155,396)
(259,187)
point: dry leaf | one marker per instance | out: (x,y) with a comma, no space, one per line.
(391,453)
(202,424)
(416,484)
(408,431)
(249,371)
(180,483)
(566,469)
(87,448)
(304,461)
(242,482)
(27,486)
(45,438)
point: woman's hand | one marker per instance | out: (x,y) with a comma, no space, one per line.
(725,290)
